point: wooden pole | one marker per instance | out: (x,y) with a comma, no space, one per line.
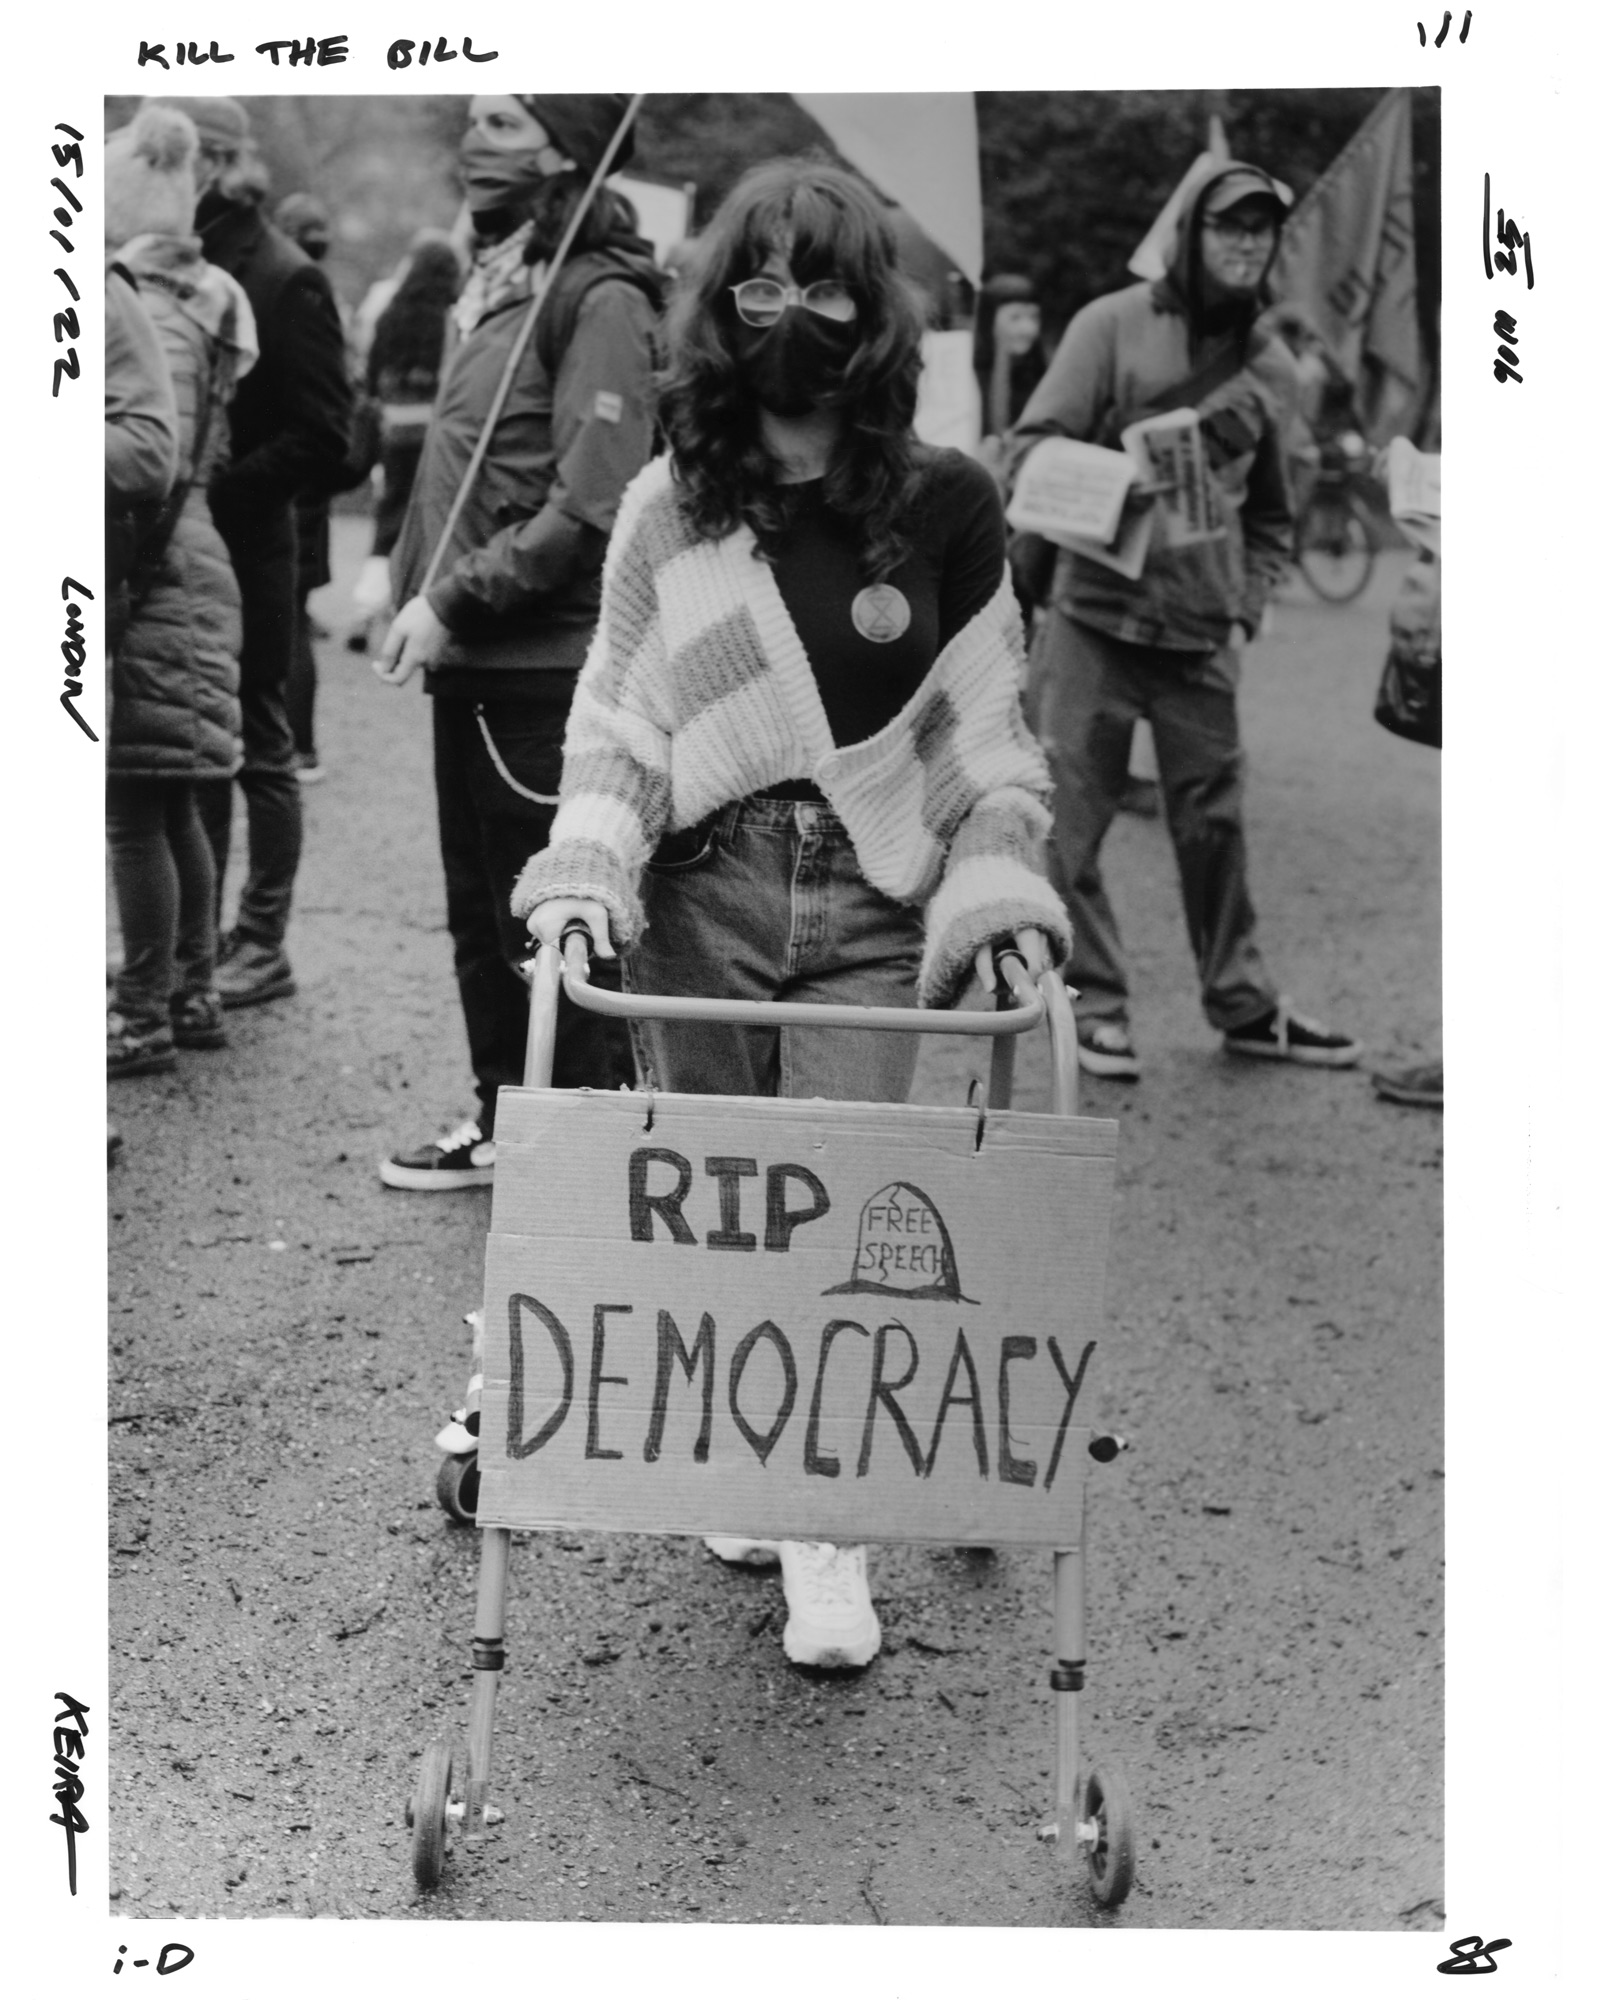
(520,345)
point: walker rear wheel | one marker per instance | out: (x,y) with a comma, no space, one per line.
(1109,1854)
(456,1488)
(427,1814)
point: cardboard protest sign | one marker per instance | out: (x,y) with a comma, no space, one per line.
(792,1319)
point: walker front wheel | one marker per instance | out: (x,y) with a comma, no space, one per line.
(456,1488)
(428,1812)
(1108,1849)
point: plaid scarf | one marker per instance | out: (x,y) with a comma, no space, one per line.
(499,272)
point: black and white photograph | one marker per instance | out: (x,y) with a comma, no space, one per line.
(782,900)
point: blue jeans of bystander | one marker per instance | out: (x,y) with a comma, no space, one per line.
(766,901)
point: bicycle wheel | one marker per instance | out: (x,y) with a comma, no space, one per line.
(1336,548)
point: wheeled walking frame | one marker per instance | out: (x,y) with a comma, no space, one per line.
(606,1177)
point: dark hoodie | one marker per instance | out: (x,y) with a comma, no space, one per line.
(519,586)
(1120,359)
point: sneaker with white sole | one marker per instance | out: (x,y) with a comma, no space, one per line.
(459,1158)
(831,1619)
(1422,1086)
(742,1553)
(1105,1048)
(1282,1035)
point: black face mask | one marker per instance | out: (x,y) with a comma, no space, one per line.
(498,180)
(211,205)
(797,362)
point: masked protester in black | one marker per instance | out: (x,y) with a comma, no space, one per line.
(501,624)
(803,579)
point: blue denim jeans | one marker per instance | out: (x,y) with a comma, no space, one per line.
(766,901)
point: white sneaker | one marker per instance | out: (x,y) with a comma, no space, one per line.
(746,1554)
(831,1619)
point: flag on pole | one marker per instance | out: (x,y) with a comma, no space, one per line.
(1348,260)
(921,149)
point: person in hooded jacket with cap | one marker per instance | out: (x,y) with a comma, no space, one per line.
(498,619)
(1166,645)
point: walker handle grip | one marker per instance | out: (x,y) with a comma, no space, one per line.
(577,934)
(1027,1011)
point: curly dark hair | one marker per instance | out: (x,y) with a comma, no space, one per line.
(830,225)
(408,341)
(608,215)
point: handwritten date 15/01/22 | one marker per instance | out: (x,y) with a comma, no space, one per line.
(66,365)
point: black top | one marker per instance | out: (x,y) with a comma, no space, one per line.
(957,559)
(290,419)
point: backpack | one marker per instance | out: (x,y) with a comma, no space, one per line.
(1410,692)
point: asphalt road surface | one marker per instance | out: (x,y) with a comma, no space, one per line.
(291,1611)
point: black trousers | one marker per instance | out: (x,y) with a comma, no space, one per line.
(497,767)
(262,547)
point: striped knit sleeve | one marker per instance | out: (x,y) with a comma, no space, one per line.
(615,774)
(993,882)
(993,886)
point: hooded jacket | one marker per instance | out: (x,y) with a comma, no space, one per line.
(175,676)
(519,584)
(1121,355)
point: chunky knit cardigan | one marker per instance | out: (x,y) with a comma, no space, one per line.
(697,691)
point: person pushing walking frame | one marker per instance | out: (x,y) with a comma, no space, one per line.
(796,767)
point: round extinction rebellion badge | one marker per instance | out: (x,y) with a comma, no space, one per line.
(880,613)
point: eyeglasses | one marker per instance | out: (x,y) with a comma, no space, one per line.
(1232,230)
(761,301)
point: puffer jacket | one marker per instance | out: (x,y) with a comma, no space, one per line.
(175,678)
(1119,358)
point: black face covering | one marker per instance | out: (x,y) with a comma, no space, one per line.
(212,204)
(499,180)
(797,362)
